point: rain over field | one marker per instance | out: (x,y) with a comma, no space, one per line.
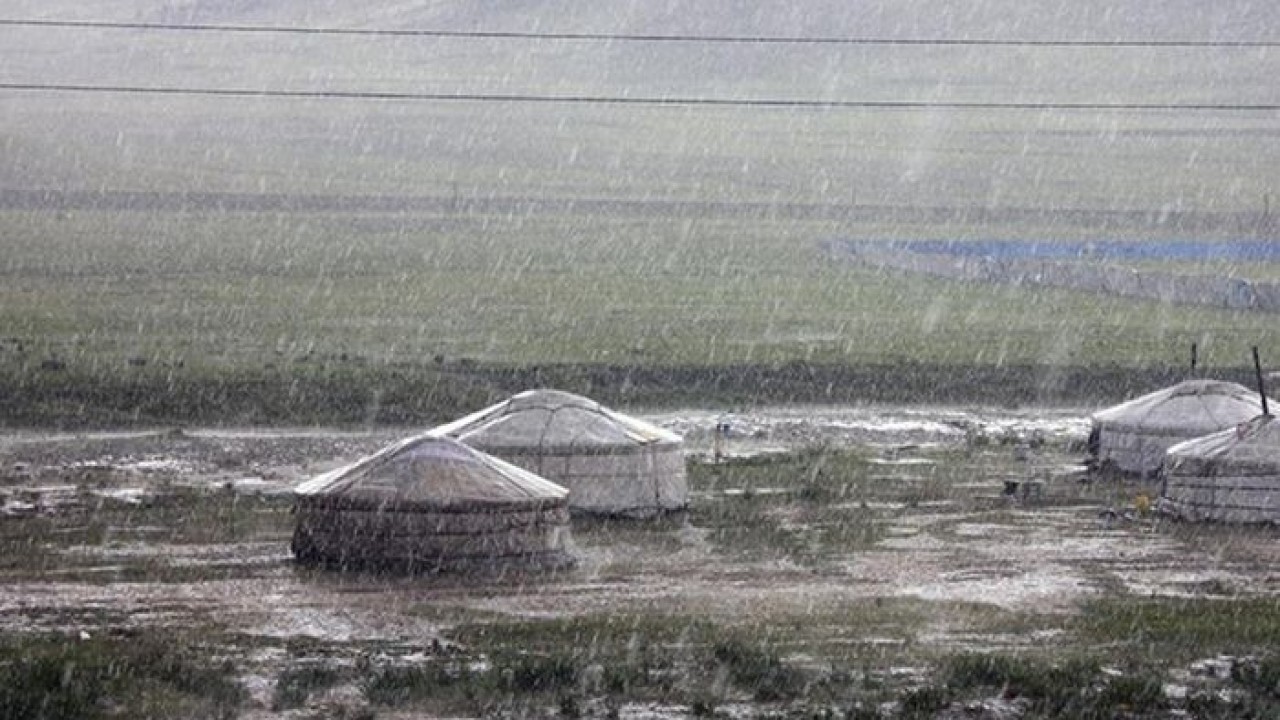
(638,359)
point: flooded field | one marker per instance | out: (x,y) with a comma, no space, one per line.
(855,548)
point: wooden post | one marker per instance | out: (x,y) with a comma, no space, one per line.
(1262,388)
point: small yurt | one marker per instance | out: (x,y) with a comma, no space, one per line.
(430,503)
(1132,437)
(1230,476)
(611,463)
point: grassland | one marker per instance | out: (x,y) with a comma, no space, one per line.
(115,316)
(542,291)
(228,259)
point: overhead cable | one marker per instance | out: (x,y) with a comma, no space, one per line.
(641,37)
(629,100)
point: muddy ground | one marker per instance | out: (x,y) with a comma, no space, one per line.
(921,553)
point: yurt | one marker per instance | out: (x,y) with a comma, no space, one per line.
(1132,437)
(430,503)
(1230,476)
(611,463)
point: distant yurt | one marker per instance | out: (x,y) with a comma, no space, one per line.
(1230,476)
(1132,437)
(611,463)
(430,503)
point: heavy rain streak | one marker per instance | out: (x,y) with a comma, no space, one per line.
(649,360)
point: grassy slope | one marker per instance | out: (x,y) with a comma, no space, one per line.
(348,318)
(542,290)
(1151,162)
(203,296)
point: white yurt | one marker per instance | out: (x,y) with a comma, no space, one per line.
(1230,476)
(1132,437)
(430,503)
(611,463)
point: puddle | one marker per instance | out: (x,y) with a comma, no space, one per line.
(801,426)
(1053,588)
(1044,560)
(902,461)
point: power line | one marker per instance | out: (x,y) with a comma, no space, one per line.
(629,100)
(648,38)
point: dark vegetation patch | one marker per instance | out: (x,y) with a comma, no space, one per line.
(1049,688)
(182,515)
(295,686)
(357,393)
(334,394)
(56,677)
(520,666)
(670,659)
(1086,686)
(32,546)
(1166,628)
(760,670)
(791,505)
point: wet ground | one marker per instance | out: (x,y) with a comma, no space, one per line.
(942,543)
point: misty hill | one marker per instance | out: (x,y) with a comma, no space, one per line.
(1160,162)
(1005,19)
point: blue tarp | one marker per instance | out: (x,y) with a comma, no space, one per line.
(1243,250)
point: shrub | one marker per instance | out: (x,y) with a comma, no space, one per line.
(54,677)
(760,671)
(1261,677)
(544,674)
(1050,688)
(295,685)
(925,701)
(1138,692)
(51,685)
(394,686)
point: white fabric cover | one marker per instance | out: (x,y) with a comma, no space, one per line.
(431,471)
(1230,476)
(1134,435)
(611,463)
(430,502)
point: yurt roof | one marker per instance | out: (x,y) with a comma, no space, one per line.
(1190,407)
(550,419)
(432,472)
(1253,447)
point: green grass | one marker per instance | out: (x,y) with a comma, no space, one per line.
(140,676)
(820,504)
(34,546)
(532,666)
(694,243)
(657,657)
(703,664)
(1068,687)
(295,685)
(127,318)
(1076,686)
(230,292)
(1155,630)
(794,506)
(1250,270)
